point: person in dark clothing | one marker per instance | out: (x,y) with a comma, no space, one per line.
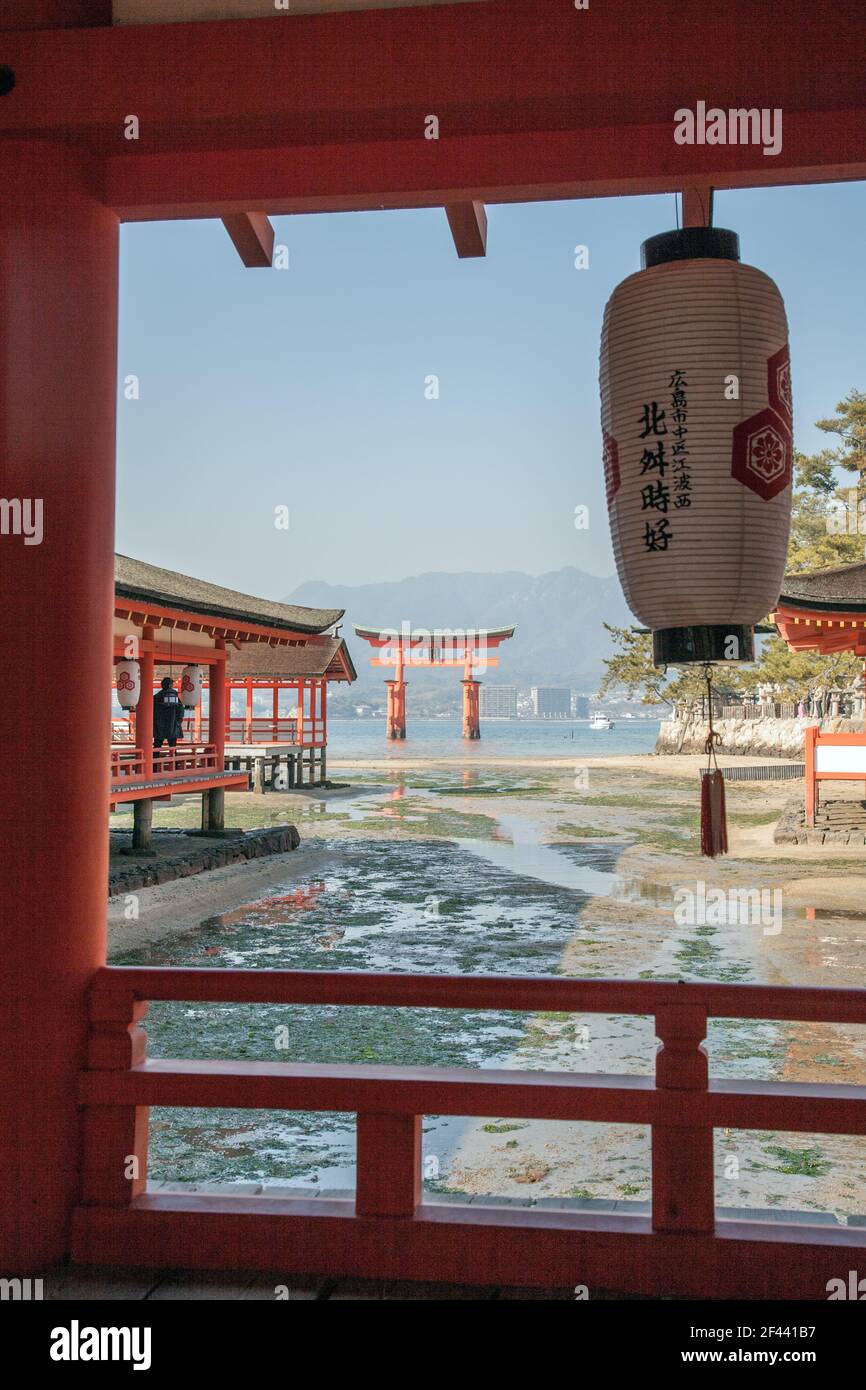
(167,715)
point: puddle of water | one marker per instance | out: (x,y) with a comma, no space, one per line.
(524,853)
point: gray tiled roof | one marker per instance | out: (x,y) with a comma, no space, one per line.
(843,586)
(133,579)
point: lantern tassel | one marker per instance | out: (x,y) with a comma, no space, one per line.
(714,823)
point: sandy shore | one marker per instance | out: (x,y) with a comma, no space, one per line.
(676,764)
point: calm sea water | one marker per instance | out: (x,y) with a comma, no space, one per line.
(501,738)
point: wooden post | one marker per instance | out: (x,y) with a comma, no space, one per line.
(218,705)
(811,783)
(142,824)
(114,1169)
(471,719)
(683,1190)
(697,207)
(275,710)
(395,727)
(388,1165)
(58,386)
(144,710)
(259,776)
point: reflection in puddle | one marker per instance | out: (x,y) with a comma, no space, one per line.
(518,848)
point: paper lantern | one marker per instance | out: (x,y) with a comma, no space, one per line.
(128,683)
(190,686)
(698,451)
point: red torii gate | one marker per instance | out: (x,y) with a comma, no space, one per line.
(466,647)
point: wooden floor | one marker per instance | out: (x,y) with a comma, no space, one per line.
(81,1283)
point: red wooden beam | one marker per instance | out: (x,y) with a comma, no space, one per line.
(253,236)
(601,1097)
(563,103)
(468,223)
(795,1004)
(820,147)
(460,1243)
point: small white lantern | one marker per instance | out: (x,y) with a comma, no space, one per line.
(698,454)
(128,682)
(190,686)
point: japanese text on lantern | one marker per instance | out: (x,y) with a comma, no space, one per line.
(680,452)
(656,492)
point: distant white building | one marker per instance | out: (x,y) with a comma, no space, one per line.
(551,702)
(498,701)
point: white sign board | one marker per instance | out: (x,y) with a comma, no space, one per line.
(841,758)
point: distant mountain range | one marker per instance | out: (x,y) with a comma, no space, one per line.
(560,638)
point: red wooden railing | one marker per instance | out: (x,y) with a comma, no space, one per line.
(263,729)
(185,757)
(127,763)
(682,1248)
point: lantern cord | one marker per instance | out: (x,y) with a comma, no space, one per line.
(713,738)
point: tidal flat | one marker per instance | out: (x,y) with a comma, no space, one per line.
(550,869)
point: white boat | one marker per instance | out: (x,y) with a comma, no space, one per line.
(600,721)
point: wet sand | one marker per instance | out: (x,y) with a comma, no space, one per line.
(523,815)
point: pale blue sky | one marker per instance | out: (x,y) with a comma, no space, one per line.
(305,387)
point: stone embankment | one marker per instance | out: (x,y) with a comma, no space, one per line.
(747,738)
(167,866)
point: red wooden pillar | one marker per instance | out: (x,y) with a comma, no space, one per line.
(471,720)
(248,711)
(275,710)
(144,711)
(395,727)
(217,706)
(58,365)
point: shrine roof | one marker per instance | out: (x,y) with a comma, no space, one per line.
(133,579)
(329,659)
(443,636)
(841,588)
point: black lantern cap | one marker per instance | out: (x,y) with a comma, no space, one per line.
(685,646)
(690,244)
